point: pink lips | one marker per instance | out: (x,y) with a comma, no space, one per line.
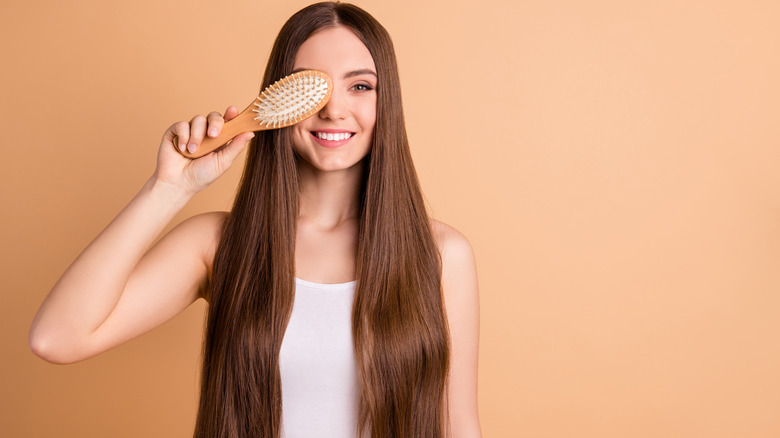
(332,143)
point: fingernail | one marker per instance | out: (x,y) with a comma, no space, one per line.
(213,132)
(182,146)
(191,147)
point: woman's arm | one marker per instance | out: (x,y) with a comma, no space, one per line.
(116,290)
(461,294)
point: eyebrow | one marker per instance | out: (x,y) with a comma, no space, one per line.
(349,74)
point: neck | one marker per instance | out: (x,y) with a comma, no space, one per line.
(327,199)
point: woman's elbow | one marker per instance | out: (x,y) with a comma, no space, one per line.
(48,349)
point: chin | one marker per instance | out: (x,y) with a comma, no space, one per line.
(332,165)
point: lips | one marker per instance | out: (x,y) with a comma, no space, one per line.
(332,138)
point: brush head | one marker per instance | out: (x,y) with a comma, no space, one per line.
(292,99)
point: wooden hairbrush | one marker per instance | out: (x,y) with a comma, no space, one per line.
(289,100)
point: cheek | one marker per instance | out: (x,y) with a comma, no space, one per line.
(368,115)
(300,132)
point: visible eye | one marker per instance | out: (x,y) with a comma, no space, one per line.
(362,87)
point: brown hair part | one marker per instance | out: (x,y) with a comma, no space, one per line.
(399,325)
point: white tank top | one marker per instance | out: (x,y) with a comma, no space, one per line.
(320,381)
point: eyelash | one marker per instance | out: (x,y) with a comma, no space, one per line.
(366,87)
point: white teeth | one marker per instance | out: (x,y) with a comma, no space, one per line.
(330,136)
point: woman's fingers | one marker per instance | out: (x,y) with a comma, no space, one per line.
(211,125)
(231,112)
(197,132)
(181,133)
(190,135)
(215,123)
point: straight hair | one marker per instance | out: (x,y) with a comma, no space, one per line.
(399,325)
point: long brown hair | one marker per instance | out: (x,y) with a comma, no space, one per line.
(400,331)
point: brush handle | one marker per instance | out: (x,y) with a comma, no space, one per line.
(244,122)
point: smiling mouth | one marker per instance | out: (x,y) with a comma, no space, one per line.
(332,136)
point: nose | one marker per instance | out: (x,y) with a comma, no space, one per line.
(335,109)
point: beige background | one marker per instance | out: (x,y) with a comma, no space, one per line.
(614,164)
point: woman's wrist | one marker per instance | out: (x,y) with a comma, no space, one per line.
(170,193)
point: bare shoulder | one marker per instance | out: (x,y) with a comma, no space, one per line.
(208,220)
(459,270)
(197,236)
(203,229)
(204,224)
(456,251)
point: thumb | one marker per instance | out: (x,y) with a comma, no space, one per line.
(231,151)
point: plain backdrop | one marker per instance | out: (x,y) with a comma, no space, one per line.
(614,165)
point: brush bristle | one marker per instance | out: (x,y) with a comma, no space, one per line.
(292,99)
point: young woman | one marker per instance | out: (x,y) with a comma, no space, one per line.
(337,307)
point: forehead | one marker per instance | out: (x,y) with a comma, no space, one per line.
(335,51)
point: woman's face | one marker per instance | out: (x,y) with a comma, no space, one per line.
(339,136)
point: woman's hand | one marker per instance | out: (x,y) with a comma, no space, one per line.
(195,175)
